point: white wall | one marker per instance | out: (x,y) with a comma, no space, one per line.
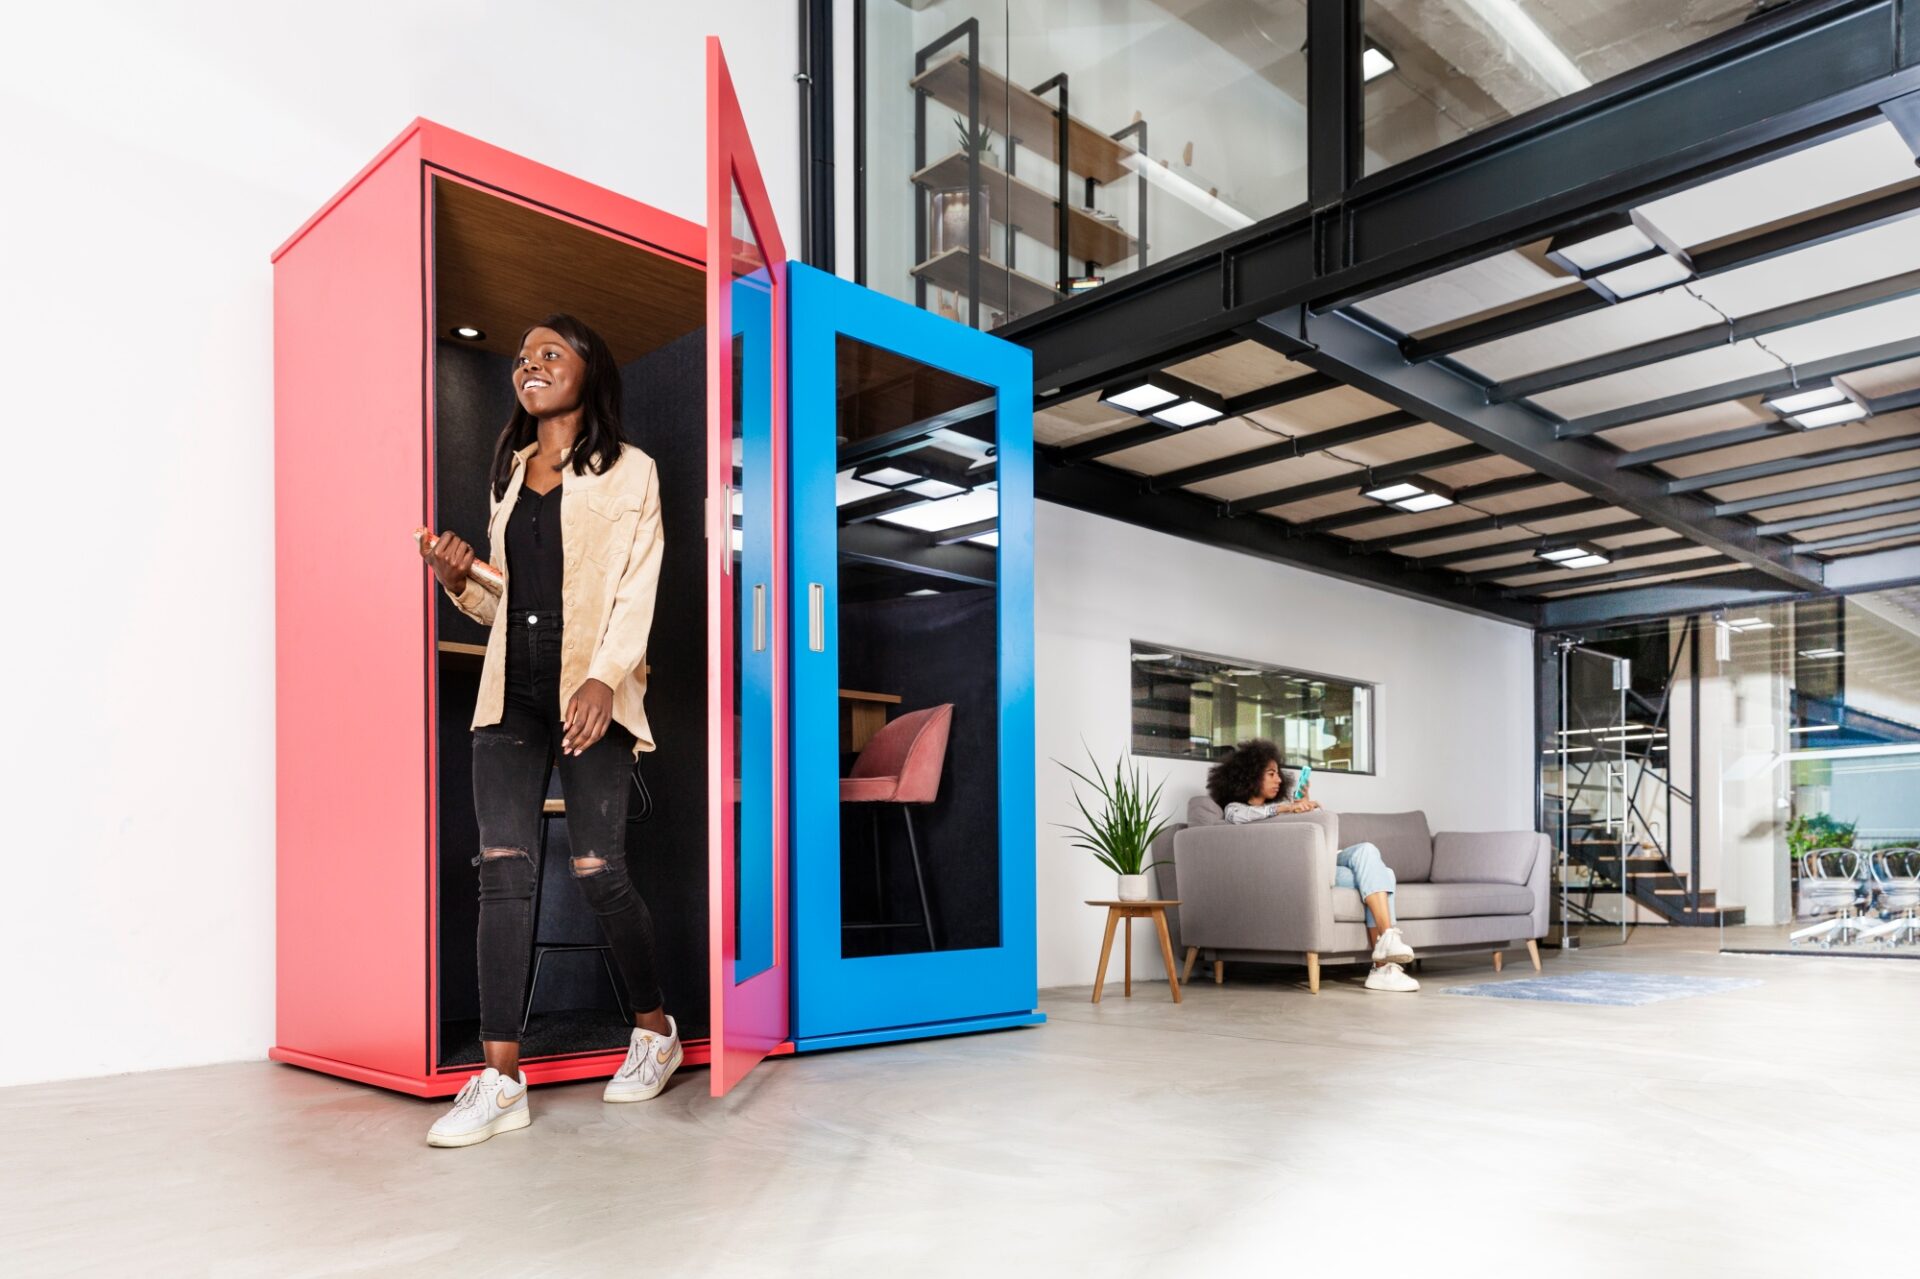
(1453,723)
(156,154)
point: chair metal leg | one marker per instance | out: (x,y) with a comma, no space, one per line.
(526,1013)
(913,845)
(533,951)
(619,998)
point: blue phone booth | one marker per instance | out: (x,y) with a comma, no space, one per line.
(911,456)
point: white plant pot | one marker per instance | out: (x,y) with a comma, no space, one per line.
(1133,888)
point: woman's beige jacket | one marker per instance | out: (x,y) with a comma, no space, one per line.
(610,541)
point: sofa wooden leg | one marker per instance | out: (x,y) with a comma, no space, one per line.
(1313,973)
(1186,972)
(1499,958)
(1533,953)
(1219,971)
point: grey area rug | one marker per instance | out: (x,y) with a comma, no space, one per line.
(1624,990)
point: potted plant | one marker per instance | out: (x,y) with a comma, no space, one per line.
(1125,825)
(955,208)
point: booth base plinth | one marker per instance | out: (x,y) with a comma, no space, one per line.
(447,1082)
(926,1030)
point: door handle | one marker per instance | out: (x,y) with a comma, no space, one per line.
(817,617)
(759,617)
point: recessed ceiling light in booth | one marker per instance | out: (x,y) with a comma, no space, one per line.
(929,472)
(1620,256)
(1414,495)
(1816,405)
(468,333)
(1166,399)
(1374,62)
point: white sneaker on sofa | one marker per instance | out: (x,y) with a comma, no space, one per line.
(1392,949)
(1391,977)
(490,1103)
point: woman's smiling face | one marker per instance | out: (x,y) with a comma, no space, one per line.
(548,375)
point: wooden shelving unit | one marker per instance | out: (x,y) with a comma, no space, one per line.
(1027,118)
(998,282)
(1030,208)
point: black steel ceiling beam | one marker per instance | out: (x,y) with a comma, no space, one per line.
(1626,556)
(1461,496)
(1791,77)
(1905,348)
(1116,495)
(1703,444)
(1847,516)
(1487,523)
(1266,397)
(1539,589)
(907,549)
(1284,450)
(1859,539)
(1792,465)
(1805,234)
(1875,570)
(1536,542)
(1363,358)
(1757,325)
(1354,481)
(1743,589)
(1815,492)
(962,532)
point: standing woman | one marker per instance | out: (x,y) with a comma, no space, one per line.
(574,526)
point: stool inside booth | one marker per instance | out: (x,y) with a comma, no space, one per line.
(499,266)
(918,533)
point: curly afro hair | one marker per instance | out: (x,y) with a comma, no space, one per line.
(1236,779)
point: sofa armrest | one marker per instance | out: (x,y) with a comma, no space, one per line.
(1262,886)
(1500,857)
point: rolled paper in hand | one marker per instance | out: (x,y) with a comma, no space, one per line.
(481,571)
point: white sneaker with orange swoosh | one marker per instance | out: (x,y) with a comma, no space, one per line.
(490,1103)
(651,1061)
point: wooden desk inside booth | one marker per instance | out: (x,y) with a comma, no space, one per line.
(866,714)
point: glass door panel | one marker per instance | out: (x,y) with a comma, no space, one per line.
(1586,774)
(746,354)
(913,760)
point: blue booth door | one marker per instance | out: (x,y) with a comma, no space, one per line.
(912,641)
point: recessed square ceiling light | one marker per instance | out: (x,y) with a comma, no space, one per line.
(1585,561)
(1166,399)
(1561,553)
(1848,412)
(935,489)
(1374,62)
(891,477)
(925,590)
(937,517)
(1139,395)
(1186,413)
(1787,403)
(1394,492)
(1424,502)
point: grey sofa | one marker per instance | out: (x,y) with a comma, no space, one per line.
(1265,890)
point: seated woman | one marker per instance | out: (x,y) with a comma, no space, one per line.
(1248,785)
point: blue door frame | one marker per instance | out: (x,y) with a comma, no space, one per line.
(836,1001)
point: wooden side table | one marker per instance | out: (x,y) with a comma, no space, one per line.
(1130,911)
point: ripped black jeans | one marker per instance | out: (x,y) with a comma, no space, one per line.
(511,762)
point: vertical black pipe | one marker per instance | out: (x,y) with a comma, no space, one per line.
(1693,765)
(816,134)
(859,141)
(1062,266)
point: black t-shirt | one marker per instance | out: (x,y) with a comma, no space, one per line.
(534,559)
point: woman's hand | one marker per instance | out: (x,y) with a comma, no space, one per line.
(450,558)
(588,715)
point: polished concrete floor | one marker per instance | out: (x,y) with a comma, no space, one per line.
(1253,1129)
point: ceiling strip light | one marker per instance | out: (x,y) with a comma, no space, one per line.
(1166,399)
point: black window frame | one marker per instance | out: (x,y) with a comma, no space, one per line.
(1228,664)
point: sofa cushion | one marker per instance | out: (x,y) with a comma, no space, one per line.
(1439,901)
(1402,838)
(1202,811)
(1500,857)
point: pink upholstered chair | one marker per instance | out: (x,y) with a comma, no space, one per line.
(902,764)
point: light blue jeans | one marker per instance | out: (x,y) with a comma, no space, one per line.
(1361,867)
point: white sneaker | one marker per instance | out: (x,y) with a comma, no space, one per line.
(651,1061)
(1392,949)
(490,1103)
(1391,977)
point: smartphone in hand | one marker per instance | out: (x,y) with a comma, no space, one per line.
(1300,784)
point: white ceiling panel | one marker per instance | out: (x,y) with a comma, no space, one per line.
(1655,381)
(1189,448)
(1237,369)
(1623,564)
(1478,287)
(1886,379)
(1878,254)
(1887,545)
(1722,567)
(1078,420)
(1852,501)
(1318,412)
(1794,184)
(1276,475)
(1797,444)
(1581,337)
(1688,425)
(1845,334)
(1903,520)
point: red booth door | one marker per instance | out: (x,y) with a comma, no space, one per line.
(747,596)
